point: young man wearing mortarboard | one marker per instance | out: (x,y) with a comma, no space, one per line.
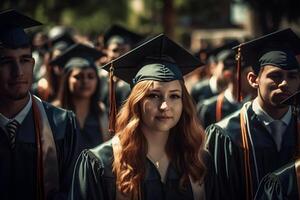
(284,183)
(37,140)
(261,136)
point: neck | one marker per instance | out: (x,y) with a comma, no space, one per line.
(233,89)
(156,142)
(274,112)
(10,108)
(82,107)
(81,104)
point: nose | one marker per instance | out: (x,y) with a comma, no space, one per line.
(283,84)
(164,105)
(17,69)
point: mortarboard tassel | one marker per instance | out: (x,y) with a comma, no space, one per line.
(246,152)
(238,59)
(112,102)
(37,126)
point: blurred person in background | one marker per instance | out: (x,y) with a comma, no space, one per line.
(216,108)
(217,83)
(79,92)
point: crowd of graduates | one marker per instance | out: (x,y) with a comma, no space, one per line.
(129,116)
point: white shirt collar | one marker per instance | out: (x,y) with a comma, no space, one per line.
(228,95)
(19,117)
(213,84)
(266,118)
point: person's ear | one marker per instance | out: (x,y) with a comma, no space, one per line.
(252,79)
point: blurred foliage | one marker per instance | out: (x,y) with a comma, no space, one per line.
(269,14)
(89,16)
(94,16)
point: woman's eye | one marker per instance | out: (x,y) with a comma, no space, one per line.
(153,96)
(175,96)
(77,77)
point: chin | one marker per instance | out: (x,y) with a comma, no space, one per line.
(18,96)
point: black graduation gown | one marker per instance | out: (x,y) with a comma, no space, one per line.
(206,110)
(279,185)
(224,142)
(202,91)
(93,179)
(91,134)
(18,169)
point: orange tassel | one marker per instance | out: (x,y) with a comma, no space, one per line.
(112,102)
(238,59)
(40,173)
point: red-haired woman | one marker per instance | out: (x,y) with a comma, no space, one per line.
(158,150)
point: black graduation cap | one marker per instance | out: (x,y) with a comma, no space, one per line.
(158,59)
(228,58)
(119,34)
(12,25)
(61,36)
(213,54)
(66,59)
(278,49)
(293,100)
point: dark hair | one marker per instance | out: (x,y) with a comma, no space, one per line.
(64,96)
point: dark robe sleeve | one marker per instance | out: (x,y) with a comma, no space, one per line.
(279,185)
(226,160)
(211,187)
(269,189)
(86,184)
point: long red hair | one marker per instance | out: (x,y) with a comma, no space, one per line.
(184,146)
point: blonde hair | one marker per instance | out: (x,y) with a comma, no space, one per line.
(187,136)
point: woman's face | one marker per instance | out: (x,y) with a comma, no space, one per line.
(83,82)
(161,108)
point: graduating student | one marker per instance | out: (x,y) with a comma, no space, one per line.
(37,140)
(157,152)
(117,41)
(260,137)
(79,92)
(216,108)
(216,84)
(284,183)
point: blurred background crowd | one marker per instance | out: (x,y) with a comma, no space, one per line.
(103,30)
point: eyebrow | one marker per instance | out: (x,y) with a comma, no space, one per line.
(156,90)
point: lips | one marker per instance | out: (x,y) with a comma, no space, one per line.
(163,117)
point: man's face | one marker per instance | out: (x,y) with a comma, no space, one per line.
(115,50)
(16,71)
(276,84)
